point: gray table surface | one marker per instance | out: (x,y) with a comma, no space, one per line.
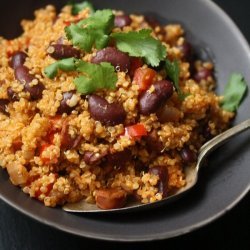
(232,231)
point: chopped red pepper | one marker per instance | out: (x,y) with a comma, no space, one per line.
(136,131)
(144,78)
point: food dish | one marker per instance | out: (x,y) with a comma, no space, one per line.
(103,106)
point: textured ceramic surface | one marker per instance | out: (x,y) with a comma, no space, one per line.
(223,182)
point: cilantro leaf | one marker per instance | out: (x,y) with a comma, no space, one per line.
(95,77)
(67,64)
(141,44)
(234,92)
(173,72)
(92,31)
(77,7)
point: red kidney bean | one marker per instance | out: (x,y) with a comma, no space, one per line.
(60,51)
(64,107)
(188,155)
(67,142)
(187,51)
(110,198)
(202,74)
(118,59)
(12,94)
(23,76)
(107,113)
(119,158)
(92,158)
(122,21)
(3,106)
(162,172)
(150,101)
(18,59)
(153,142)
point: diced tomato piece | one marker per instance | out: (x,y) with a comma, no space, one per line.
(136,131)
(135,63)
(144,78)
(67,23)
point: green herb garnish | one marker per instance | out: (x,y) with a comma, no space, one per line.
(95,77)
(234,92)
(68,64)
(141,44)
(173,72)
(93,31)
(77,7)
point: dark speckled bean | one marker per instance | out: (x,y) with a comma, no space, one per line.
(60,51)
(150,101)
(118,59)
(107,113)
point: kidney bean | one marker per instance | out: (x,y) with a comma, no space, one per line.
(23,76)
(122,21)
(35,91)
(107,113)
(110,198)
(153,142)
(187,155)
(162,172)
(60,51)
(67,142)
(3,106)
(18,59)
(187,51)
(118,59)
(119,158)
(202,74)
(12,94)
(150,101)
(92,158)
(64,107)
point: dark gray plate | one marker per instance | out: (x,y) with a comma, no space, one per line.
(223,182)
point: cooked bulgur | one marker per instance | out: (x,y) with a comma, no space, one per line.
(58,148)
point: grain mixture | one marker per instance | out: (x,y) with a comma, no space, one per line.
(61,144)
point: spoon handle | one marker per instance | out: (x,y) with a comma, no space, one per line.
(221,139)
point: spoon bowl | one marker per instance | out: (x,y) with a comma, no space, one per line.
(191,173)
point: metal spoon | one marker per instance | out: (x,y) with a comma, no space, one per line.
(190,172)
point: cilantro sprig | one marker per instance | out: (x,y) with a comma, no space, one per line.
(77,7)
(141,44)
(173,72)
(68,64)
(93,76)
(93,31)
(234,92)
